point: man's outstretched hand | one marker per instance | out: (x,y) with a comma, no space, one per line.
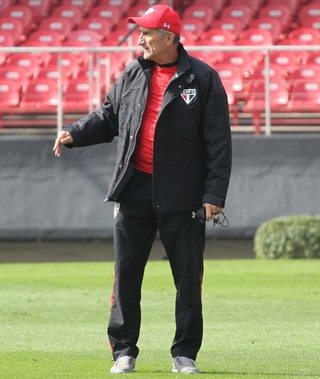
(63,138)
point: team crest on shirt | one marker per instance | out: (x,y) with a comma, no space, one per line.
(188,95)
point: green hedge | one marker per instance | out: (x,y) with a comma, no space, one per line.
(288,237)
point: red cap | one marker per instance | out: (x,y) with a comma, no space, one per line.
(159,16)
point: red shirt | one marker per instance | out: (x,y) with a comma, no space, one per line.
(143,155)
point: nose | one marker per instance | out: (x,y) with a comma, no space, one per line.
(141,39)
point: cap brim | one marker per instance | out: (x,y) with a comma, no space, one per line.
(141,21)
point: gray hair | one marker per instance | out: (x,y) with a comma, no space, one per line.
(163,32)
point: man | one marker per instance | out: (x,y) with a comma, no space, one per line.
(170,115)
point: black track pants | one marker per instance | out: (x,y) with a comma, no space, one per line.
(183,237)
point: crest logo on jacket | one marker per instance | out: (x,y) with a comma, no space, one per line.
(188,95)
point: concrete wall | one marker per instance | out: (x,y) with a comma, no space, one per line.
(43,197)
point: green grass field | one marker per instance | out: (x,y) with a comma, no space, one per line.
(262,320)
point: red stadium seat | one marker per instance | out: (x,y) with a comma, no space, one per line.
(272,25)
(254,5)
(9,97)
(305,96)
(14,27)
(112,14)
(23,14)
(51,72)
(194,26)
(293,5)
(229,24)
(286,61)
(123,5)
(83,5)
(50,37)
(204,13)
(40,96)
(255,36)
(6,39)
(310,22)
(40,8)
(69,63)
(60,25)
(306,73)
(239,59)
(87,37)
(313,58)
(233,75)
(69,12)
(79,97)
(278,11)
(98,25)
(27,61)
(242,13)
(306,36)
(43,57)
(18,75)
(256,102)
(216,5)
(218,37)
(5,4)
(308,12)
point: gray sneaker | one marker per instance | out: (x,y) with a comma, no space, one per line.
(123,364)
(184,365)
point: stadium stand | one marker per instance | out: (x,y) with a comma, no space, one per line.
(221,23)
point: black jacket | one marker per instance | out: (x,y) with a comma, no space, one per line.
(192,144)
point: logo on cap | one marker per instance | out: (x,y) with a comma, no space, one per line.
(166,26)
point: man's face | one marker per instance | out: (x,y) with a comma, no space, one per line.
(154,44)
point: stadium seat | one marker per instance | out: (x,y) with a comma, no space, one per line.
(6,39)
(229,24)
(81,56)
(219,37)
(40,8)
(112,13)
(9,96)
(259,75)
(79,97)
(204,13)
(194,26)
(239,59)
(69,12)
(14,27)
(23,14)
(83,5)
(40,96)
(310,22)
(217,5)
(308,12)
(51,72)
(306,36)
(123,5)
(69,63)
(50,37)
(285,60)
(255,36)
(88,37)
(43,57)
(5,4)
(242,13)
(293,5)
(233,75)
(27,61)
(280,12)
(98,25)
(305,96)
(254,5)
(305,73)
(256,102)
(272,25)
(60,25)
(313,58)
(18,75)
(188,38)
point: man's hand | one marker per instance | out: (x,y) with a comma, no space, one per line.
(63,138)
(212,211)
